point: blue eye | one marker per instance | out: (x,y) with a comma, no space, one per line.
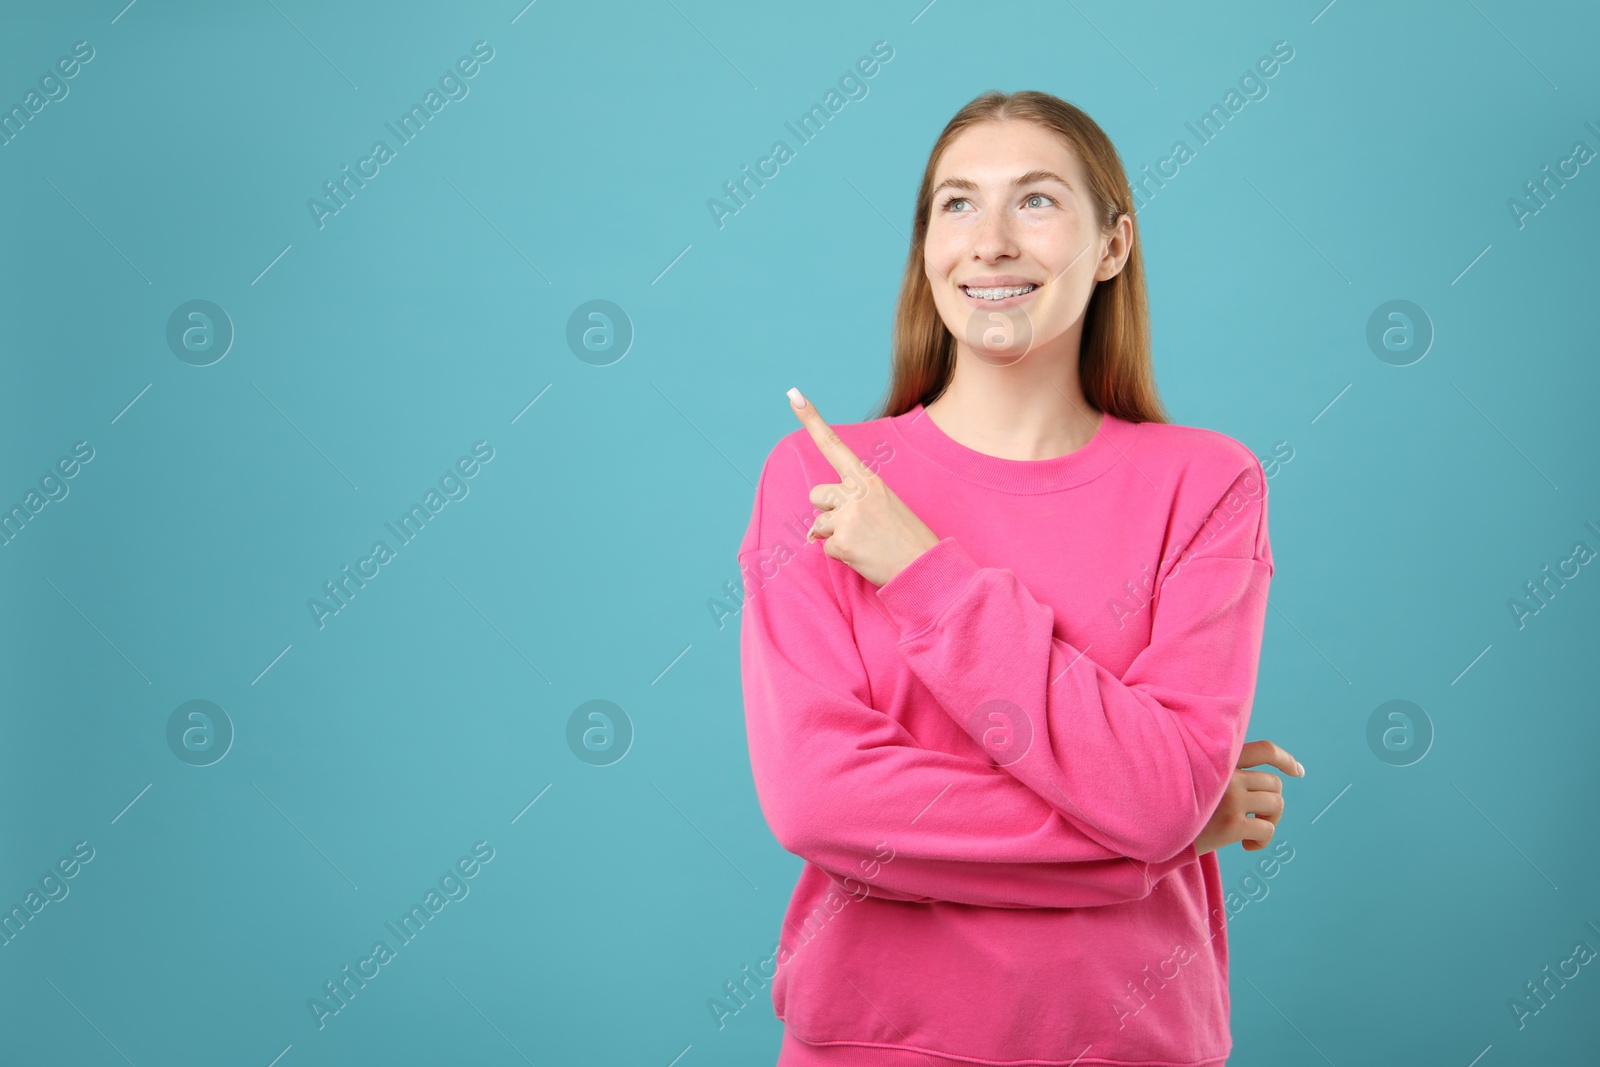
(945,205)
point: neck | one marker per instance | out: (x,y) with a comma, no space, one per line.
(1031,409)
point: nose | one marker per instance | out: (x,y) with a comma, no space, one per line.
(993,236)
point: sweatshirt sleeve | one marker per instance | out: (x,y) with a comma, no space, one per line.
(1138,763)
(843,785)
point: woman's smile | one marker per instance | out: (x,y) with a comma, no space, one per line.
(989,294)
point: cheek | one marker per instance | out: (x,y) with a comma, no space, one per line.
(945,303)
(1065,244)
(941,254)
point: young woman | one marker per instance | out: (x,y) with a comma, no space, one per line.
(1000,708)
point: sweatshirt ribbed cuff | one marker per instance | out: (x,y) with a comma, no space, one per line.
(1185,856)
(919,595)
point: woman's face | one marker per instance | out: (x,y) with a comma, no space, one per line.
(1011,209)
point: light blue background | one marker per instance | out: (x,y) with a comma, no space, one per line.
(430,312)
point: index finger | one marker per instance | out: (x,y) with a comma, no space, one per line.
(1263,753)
(827,440)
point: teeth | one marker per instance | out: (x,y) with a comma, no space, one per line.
(999,294)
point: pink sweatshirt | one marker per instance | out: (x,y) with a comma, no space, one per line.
(996,764)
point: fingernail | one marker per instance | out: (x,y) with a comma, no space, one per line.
(1299,768)
(796,399)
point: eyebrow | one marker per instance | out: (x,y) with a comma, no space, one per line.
(1027,179)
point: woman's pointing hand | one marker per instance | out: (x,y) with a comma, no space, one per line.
(863,523)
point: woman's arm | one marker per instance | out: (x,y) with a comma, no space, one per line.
(841,782)
(1138,763)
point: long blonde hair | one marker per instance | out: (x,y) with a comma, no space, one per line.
(1114,366)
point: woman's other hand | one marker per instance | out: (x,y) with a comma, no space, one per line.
(1258,793)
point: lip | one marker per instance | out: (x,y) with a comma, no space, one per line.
(990,282)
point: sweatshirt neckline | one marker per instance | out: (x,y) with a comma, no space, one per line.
(1093,459)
